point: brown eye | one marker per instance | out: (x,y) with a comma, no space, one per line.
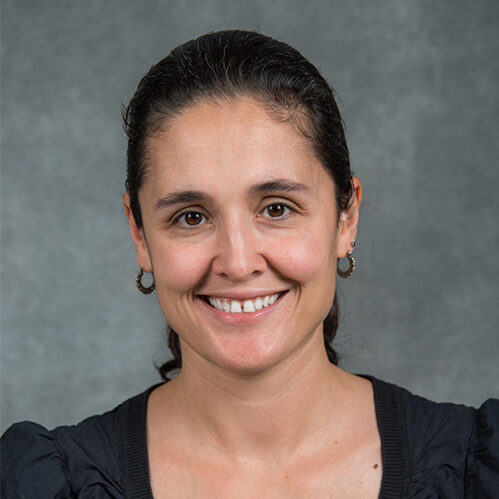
(190,219)
(193,218)
(276,210)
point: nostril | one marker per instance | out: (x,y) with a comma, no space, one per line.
(238,262)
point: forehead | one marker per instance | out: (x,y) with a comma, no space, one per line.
(230,142)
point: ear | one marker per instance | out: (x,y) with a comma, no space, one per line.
(143,258)
(348,221)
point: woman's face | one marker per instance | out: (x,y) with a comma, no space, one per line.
(240,231)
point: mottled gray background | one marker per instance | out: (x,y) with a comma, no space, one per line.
(419,85)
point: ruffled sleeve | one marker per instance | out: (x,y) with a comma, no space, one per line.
(32,464)
(482,477)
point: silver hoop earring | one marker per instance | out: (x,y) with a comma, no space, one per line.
(140,286)
(351,266)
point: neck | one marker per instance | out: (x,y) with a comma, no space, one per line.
(276,412)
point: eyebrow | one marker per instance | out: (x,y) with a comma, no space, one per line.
(179,198)
(279,185)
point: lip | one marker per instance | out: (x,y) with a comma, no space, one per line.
(243,296)
(243,318)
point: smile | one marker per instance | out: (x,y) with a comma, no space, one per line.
(231,306)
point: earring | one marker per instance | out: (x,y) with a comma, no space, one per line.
(351,264)
(140,286)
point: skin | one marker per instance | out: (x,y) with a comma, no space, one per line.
(257,408)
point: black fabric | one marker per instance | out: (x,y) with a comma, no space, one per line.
(429,450)
(392,430)
(135,463)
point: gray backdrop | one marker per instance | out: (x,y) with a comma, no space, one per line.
(418,81)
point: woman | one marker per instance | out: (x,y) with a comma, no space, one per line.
(241,203)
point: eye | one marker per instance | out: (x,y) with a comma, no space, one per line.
(190,218)
(277,210)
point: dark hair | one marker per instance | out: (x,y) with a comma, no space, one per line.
(228,64)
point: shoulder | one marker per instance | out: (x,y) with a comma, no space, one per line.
(32,462)
(483,462)
(82,460)
(451,450)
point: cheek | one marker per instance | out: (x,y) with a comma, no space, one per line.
(307,259)
(309,262)
(179,268)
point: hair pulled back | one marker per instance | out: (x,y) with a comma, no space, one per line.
(228,64)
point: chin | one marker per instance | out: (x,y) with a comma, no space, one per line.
(248,367)
(244,360)
(250,359)
(249,351)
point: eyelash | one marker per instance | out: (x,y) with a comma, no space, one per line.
(177,220)
(284,216)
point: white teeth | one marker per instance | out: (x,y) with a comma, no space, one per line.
(248,306)
(235,307)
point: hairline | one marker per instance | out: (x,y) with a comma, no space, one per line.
(160,120)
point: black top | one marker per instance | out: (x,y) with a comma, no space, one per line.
(429,450)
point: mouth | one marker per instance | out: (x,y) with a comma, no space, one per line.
(232,306)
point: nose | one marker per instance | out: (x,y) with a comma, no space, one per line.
(239,255)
